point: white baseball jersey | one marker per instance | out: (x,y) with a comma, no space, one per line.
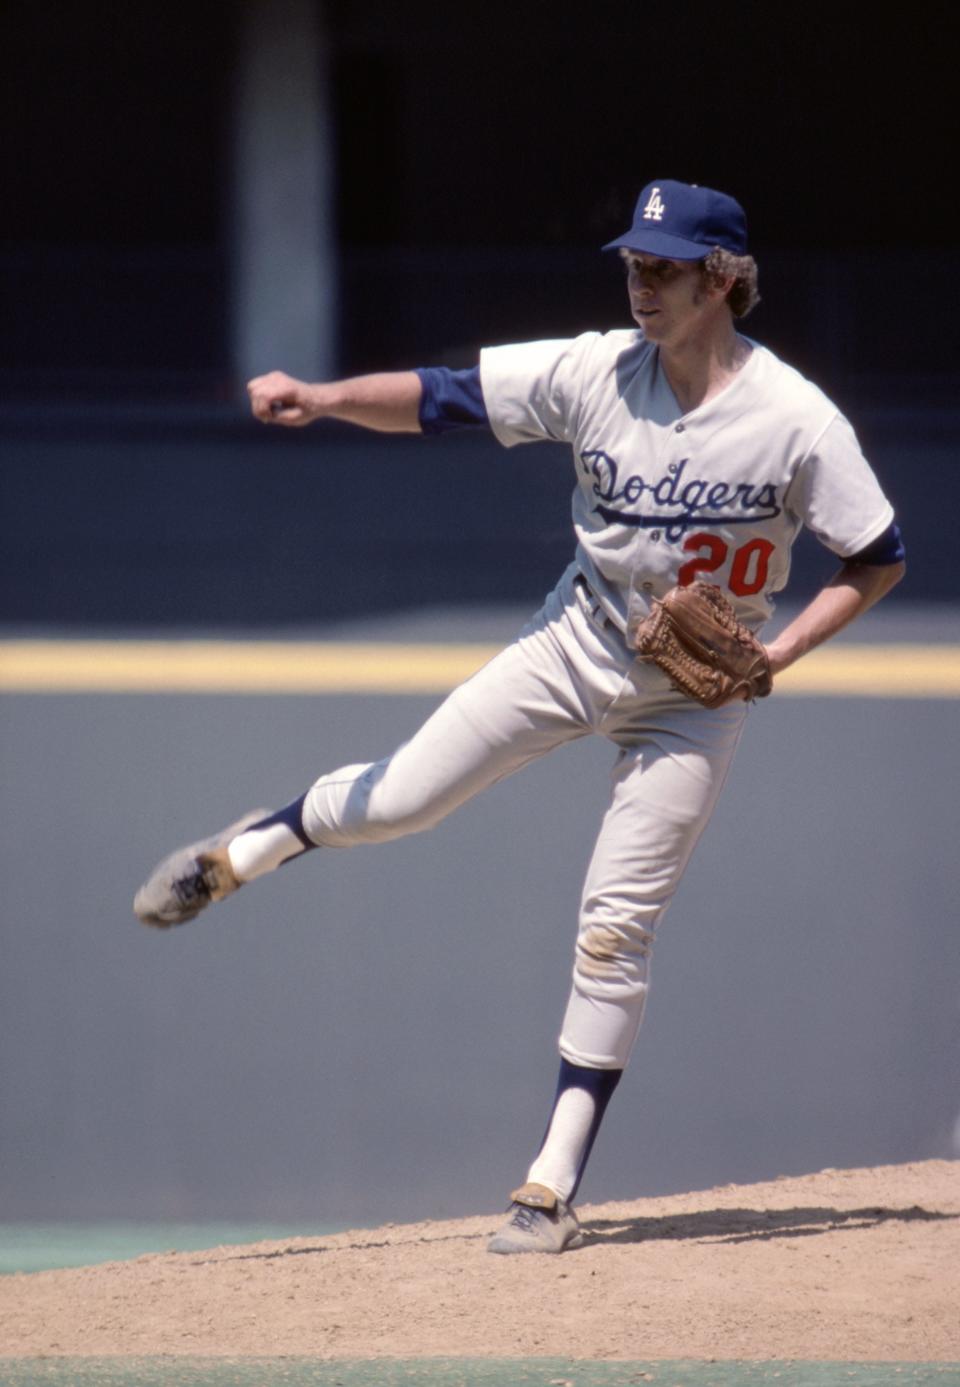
(663,497)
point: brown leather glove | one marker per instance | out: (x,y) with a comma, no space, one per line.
(695,638)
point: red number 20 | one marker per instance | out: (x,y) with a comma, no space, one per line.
(748,572)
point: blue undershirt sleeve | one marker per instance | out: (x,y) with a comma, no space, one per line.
(451,400)
(887,548)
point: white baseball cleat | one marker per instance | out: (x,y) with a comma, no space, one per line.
(187,881)
(537,1221)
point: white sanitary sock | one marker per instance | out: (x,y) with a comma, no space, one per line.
(558,1163)
(260,850)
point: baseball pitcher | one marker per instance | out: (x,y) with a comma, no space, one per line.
(697,457)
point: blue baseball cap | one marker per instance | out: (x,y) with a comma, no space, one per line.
(680,221)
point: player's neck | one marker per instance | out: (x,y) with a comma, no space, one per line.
(700,367)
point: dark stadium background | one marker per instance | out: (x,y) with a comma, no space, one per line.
(480,154)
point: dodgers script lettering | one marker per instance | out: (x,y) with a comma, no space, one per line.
(676,502)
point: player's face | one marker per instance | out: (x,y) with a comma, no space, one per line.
(668,298)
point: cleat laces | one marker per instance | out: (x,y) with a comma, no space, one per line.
(525,1219)
(193,889)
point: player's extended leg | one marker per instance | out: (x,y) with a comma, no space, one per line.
(665,788)
(518,707)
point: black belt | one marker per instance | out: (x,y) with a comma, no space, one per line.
(599,613)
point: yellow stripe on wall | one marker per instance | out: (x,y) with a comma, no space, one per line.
(235,667)
(326,667)
(881,671)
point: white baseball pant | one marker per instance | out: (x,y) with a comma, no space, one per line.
(569,673)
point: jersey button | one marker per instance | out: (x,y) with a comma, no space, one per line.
(647,587)
(680,428)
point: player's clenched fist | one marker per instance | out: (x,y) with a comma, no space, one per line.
(388,401)
(280,399)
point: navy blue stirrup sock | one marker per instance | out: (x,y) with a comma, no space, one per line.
(292,816)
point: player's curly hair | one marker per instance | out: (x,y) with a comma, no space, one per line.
(721,264)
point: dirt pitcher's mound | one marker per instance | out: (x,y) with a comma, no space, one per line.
(842,1265)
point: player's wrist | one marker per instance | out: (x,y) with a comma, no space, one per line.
(780,655)
(318,400)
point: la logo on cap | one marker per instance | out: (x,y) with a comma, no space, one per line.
(654,210)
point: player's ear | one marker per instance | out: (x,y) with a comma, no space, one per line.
(720,285)
(715,285)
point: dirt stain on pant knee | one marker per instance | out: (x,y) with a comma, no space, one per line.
(603,951)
